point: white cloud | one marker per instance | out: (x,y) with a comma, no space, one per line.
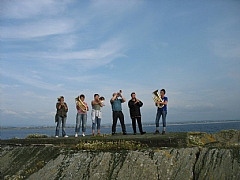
(30,8)
(38,29)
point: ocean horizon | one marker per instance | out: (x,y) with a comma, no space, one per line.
(191,126)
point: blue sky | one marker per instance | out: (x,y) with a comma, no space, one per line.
(53,48)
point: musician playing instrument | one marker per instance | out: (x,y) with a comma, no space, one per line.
(97,103)
(62,110)
(134,105)
(161,112)
(116,103)
(81,117)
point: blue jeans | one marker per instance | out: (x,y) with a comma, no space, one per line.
(98,121)
(81,119)
(160,113)
(63,121)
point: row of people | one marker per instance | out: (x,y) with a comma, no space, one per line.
(116,101)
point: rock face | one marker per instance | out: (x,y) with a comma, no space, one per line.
(183,163)
(198,156)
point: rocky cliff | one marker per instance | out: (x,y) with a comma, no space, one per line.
(205,156)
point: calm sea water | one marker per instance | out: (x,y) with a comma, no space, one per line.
(186,127)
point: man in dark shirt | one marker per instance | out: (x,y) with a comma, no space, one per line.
(134,105)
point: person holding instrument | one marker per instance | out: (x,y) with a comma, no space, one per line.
(62,110)
(161,111)
(117,111)
(134,105)
(97,103)
(81,117)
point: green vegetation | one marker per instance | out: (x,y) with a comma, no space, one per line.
(31,136)
(111,145)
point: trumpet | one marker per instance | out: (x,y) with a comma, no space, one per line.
(119,93)
(157,98)
(80,104)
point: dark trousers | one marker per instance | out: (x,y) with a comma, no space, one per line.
(139,121)
(116,115)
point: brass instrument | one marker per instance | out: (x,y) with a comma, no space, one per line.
(119,93)
(101,99)
(157,98)
(80,104)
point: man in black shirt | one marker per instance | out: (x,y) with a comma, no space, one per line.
(134,105)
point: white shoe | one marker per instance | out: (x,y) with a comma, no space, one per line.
(76,135)
(83,135)
(65,136)
(56,136)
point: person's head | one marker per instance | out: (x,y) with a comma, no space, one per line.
(96,96)
(133,95)
(82,97)
(61,99)
(162,92)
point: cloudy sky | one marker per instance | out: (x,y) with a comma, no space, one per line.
(52,48)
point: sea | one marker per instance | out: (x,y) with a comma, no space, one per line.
(208,127)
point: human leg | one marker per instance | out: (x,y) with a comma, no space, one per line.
(139,121)
(158,116)
(84,123)
(98,125)
(134,125)
(78,124)
(114,116)
(121,118)
(93,127)
(164,115)
(64,119)
(58,126)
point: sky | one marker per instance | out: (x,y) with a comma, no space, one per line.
(53,48)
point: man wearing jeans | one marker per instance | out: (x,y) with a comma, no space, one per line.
(117,112)
(161,112)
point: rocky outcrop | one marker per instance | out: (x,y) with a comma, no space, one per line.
(204,158)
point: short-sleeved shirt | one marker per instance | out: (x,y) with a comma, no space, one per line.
(117,105)
(164,108)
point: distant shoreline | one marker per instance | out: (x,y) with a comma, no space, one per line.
(144,124)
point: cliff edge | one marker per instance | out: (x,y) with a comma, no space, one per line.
(193,155)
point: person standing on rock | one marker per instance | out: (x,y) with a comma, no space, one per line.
(117,111)
(134,105)
(62,110)
(81,117)
(161,112)
(96,113)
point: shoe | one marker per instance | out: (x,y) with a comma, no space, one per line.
(66,136)
(56,136)
(134,133)
(124,133)
(156,132)
(163,132)
(143,133)
(113,133)
(93,134)
(76,135)
(83,135)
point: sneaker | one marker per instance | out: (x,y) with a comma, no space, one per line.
(124,133)
(113,133)
(143,133)
(156,132)
(163,132)
(76,135)
(134,133)
(66,136)
(83,135)
(56,136)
